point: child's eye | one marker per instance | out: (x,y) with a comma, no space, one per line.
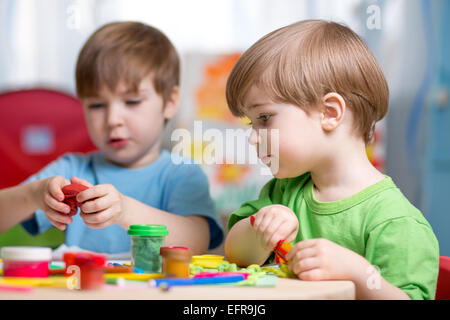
(96,105)
(264,117)
(133,102)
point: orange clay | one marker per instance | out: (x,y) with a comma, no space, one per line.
(176,261)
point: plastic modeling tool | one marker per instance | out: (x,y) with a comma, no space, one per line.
(281,249)
(169,282)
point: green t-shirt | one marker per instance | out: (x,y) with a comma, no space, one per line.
(378,223)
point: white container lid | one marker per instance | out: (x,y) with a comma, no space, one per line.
(26,253)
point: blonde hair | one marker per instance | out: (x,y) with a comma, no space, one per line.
(302,62)
(128,52)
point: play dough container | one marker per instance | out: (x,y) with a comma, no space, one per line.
(176,261)
(29,262)
(146,241)
(91,269)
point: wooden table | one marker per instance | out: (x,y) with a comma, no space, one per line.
(286,289)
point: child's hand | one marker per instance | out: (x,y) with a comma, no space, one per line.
(274,223)
(321,259)
(50,200)
(101,204)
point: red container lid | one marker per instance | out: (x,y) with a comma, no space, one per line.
(179,253)
(89,259)
(69,258)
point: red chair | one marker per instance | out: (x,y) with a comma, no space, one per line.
(36,127)
(443,283)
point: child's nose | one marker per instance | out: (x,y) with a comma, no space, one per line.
(253,139)
(113,116)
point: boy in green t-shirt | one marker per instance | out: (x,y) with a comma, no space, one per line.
(313,92)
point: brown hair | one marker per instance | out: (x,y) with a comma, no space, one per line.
(128,52)
(302,62)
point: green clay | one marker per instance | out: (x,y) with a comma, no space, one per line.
(227,267)
(193,269)
(145,253)
(233,268)
(259,276)
(252,279)
(223,266)
(282,271)
(262,280)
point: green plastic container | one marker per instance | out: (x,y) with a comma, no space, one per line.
(146,241)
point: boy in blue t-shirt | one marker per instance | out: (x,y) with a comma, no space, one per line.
(127,77)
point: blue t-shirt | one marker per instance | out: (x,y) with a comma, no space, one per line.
(180,189)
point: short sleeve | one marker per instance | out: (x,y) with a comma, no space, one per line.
(407,253)
(189,195)
(39,223)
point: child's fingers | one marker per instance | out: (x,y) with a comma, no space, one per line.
(57,217)
(280,234)
(262,221)
(286,230)
(55,204)
(291,237)
(273,240)
(306,244)
(301,246)
(55,186)
(96,205)
(81,181)
(99,225)
(266,230)
(312,275)
(298,255)
(260,216)
(97,191)
(98,220)
(274,233)
(304,265)
(60,226)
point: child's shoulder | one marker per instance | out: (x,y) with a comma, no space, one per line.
(391,205)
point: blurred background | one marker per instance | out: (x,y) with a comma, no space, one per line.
(40,41)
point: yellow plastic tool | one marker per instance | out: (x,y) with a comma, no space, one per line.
(54,282)
(134,276)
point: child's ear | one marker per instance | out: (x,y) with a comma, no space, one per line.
(333,109)
(171,107)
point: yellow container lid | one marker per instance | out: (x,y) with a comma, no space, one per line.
(210,261)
